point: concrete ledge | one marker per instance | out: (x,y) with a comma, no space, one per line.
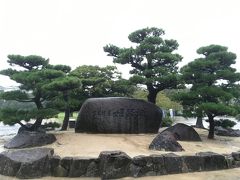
(110,164)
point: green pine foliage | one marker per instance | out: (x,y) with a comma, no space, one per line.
(162,100)
(225,123)
(153,61)
(32,73)
(65,85)
(213,85)
(102,82)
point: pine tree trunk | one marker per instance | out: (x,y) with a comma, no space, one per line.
(211,127)
(65,120)
(67,112)
(39,105)
(151,98)
(37,124)
(152,94)
(199,123)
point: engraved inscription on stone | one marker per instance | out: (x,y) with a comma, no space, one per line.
(119,114)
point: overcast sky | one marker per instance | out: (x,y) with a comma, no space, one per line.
(73,32)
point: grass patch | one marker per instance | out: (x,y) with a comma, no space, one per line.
(60,116)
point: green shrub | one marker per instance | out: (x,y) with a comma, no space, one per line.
(225,123)
(238,117)
(167,121)
(51,125)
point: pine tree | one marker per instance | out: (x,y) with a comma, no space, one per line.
(152,59)
(213,84)
(32,74)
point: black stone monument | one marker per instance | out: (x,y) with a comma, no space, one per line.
(118,115)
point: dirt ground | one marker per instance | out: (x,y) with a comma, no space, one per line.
(70,143)
(75,144)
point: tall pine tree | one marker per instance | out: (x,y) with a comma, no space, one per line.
(213,84)
(152,58)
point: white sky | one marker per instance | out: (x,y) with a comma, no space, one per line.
(73,32)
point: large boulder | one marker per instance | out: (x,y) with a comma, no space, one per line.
(25,139)
(165,141)
(27,163)
(118,115)
(183,132)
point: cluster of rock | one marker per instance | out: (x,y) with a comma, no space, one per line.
(167,139)
(118,115)
(34,163)
(220,131)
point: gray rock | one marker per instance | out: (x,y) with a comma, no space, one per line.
(165,141)
(118,115)
(66,163)
(84,167)
(147,166)
(54,166)
(237,164)
(8,167)
(213,161)
(183,132)
(158,162)
(193,163)
(230,160)
(29,126)
(93,169)
(236,156)
(26,139)
(59,171)
(142,166)
(60,167)
(173,163)
(27,163)
(220,131)
(114,164)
